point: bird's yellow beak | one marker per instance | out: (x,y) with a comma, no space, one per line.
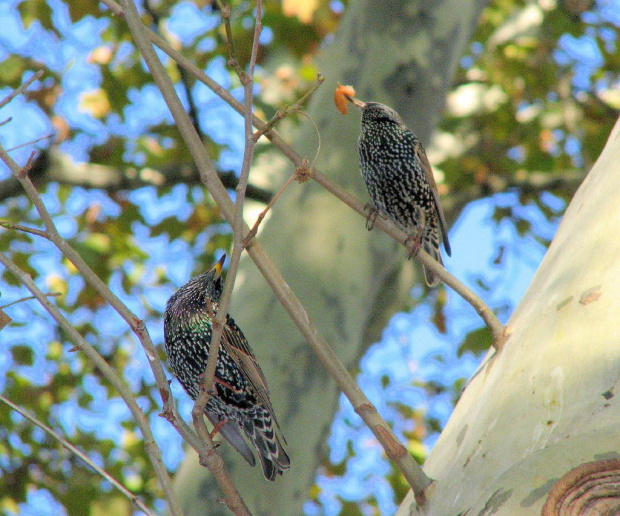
(356,102)
(218,266)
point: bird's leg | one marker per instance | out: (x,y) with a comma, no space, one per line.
(372,215)
(217,428)
(413,243)
(227,385)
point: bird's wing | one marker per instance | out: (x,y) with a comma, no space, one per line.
(428,172)
(239,350)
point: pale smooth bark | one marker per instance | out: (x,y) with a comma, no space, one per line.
(548,402)
(351,281)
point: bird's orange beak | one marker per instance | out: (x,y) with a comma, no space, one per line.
(356,102)
(218,266)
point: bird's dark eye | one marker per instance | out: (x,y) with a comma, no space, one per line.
(385,119)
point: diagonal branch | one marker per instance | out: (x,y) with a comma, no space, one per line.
(21,88)
(28,298)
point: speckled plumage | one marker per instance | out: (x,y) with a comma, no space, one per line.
(241,396)
(399,178)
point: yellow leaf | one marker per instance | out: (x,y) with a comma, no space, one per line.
(101,55)
(303,9)
(111,505)
(57,283)
(95,103)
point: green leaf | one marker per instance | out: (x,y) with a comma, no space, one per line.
(22,355)
(476,341)
(77,10)
(11,69)
(34,10)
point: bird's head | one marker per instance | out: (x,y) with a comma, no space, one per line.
(212,280)
(373,112)
(198,291)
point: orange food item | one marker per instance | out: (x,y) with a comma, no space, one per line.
(341,101)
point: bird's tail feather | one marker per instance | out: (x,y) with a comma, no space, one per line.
(262,430)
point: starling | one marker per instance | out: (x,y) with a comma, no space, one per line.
(400,180)
(240,397)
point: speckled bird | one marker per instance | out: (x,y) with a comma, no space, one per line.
(240,400)
(400,179)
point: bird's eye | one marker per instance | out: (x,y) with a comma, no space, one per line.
(385,119)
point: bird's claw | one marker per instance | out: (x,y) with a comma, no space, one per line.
(371,217)
(413,243)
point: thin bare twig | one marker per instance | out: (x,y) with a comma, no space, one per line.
(286,110)
(28,298)
(24,229)
(252,233)
(302,174)
(233,60)
(134,499)
(30,143)
(21,88)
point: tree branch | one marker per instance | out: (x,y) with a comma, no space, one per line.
(51,166)
(28,298)
(233,61)
(21,88)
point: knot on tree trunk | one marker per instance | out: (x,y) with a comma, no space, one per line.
(590,489)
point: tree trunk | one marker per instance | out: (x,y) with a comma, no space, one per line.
(350,280)
(547,403)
